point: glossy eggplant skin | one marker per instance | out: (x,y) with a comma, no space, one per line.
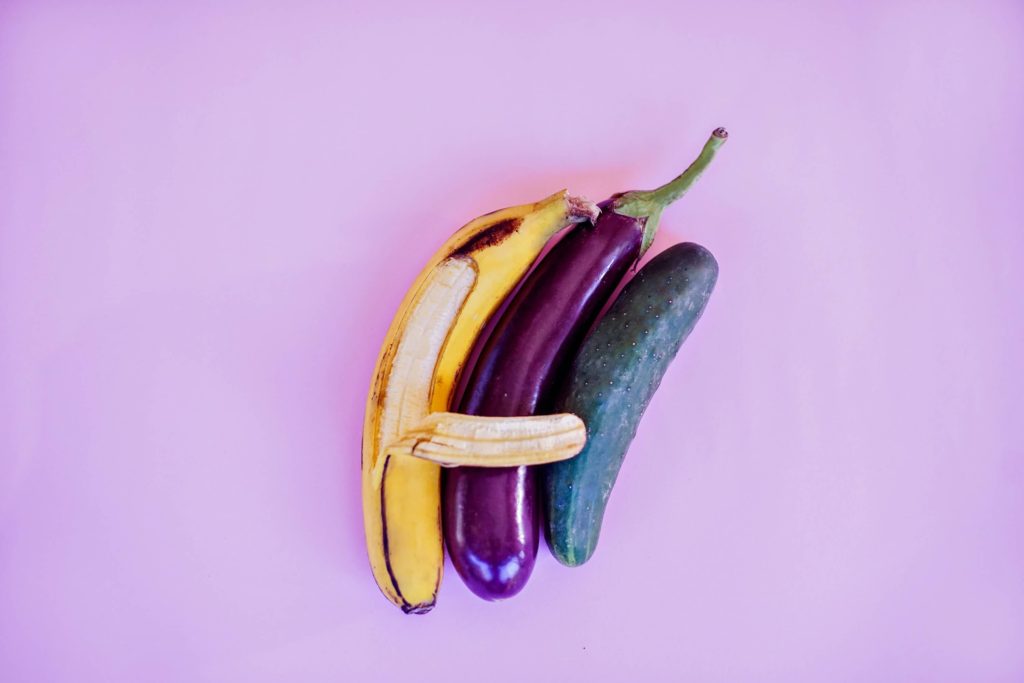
(491,514)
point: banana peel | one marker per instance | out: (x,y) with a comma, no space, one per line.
(457,440)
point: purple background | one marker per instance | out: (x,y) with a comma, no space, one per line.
(209,215)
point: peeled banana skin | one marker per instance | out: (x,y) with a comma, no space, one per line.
(416,373)
(457,440)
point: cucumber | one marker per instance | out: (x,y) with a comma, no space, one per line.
(615,374)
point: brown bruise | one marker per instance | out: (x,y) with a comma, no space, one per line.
(489,237)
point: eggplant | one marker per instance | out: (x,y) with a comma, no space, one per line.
(491,514)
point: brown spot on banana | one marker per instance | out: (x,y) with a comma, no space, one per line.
(489,237)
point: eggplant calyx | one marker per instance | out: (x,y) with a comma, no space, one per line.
(647,205)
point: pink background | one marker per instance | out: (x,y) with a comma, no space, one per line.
(209,216)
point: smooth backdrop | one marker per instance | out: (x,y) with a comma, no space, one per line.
(210,211)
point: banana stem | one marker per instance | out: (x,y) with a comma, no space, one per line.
(581,209)
(648,204)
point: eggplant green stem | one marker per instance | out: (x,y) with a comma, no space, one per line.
(648,204)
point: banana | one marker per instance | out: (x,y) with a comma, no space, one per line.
(457,440)
(419,364)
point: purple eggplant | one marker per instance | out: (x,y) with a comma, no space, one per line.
(491,514)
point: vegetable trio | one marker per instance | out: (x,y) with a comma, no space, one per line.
(531,363)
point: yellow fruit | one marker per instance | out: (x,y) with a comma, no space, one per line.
(419,364)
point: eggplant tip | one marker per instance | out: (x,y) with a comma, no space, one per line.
(720,132)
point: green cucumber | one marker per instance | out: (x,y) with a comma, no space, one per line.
(614,376)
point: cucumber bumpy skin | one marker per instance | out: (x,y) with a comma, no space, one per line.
(613,378)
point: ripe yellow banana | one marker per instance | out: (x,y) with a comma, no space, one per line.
(424,352)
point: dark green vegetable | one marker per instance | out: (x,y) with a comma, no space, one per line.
(613,378)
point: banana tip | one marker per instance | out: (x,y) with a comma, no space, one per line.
(582,209)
